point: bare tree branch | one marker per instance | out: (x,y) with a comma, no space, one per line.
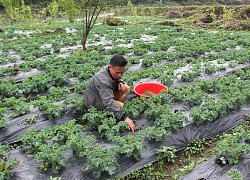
(92,10)
(96,18)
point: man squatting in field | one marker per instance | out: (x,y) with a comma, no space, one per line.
(106,90)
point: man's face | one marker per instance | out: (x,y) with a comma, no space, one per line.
(117,71)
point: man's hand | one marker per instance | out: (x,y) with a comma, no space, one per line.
(131,125)
(121,86)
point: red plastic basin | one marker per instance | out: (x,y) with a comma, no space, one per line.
(152,87)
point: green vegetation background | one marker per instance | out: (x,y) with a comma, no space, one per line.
(43,3)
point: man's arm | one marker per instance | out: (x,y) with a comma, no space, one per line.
(106,92)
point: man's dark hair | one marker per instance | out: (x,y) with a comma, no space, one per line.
(118,60)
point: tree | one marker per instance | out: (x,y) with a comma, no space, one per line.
(70,7)
(25,13)
(10,7)
(16,10)
(91,10)
(53,10)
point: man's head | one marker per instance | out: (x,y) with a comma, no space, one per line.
(117,66)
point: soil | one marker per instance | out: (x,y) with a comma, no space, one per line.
(182,160)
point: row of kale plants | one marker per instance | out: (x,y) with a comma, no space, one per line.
(232,147)
(20,96)
(50,143)
(53,91)
(187,43)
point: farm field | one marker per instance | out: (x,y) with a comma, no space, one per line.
(44,72)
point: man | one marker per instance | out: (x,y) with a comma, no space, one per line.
(106,90)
